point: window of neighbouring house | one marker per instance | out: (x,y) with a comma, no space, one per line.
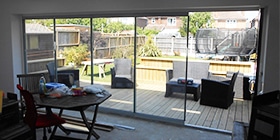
(231,23)
(153,20)
(171,21)
(33,42)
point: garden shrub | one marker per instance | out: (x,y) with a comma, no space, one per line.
(123,52)
(149,49)
(75,54)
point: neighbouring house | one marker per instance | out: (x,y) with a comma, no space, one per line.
(164,22)
(232,20)
(140,21)
(168,26)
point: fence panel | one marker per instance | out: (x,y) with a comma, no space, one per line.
(169,45)
(113,42)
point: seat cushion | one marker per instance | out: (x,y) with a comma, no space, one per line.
(123,76)
(47,120)
(198,81)
(122,66)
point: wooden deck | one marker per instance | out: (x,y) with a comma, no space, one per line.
(150,100)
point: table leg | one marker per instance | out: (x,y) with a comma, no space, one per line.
(60,126)
(101,70)
(90,126)
(84,69)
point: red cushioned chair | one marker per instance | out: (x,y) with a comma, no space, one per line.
(35,120)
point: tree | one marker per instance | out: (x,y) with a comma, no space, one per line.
(183,29)
(99,24)
(197,20)
(78,21)
(116,27)
(45,22)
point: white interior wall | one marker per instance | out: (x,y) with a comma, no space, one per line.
(12,10)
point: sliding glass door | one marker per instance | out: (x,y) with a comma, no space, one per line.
(227,42)
(152,65)
(155,70)
(113,52)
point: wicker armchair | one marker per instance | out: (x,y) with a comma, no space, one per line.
(218,93)
(196,71)
(122,74)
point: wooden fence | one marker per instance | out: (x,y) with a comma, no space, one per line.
(169,45)
(39,54)
(110,43)
(40,65)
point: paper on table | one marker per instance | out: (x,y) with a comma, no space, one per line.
(1,100)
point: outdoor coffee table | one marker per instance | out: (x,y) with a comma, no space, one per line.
(173,86)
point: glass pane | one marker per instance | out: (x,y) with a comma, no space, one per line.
(38,51)
(72,46)
(113,58)
(162,45)
(227,41)
(38,44)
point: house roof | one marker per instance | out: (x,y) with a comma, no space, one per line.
(34,28)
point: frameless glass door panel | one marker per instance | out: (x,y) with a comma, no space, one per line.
(113,60)
(163,44)
(226,41)
(72,36)
(38,44)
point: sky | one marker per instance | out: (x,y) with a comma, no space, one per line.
(251,14)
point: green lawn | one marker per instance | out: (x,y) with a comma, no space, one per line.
(96,74)
(108,73)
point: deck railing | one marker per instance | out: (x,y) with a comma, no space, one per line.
(153,69)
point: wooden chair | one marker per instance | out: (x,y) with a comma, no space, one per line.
(28,82)
(35,120)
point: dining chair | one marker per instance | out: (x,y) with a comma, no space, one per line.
(29,82)
(35,120)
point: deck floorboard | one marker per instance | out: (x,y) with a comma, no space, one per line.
(150,100)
